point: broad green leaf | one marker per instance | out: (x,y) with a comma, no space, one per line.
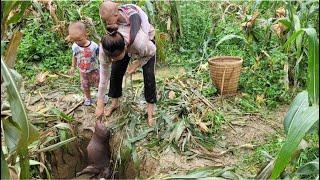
(33,162)
(11,134)
(19,115)
(299,104)
(229,37)
(56,146)
(4,167)
(299,127)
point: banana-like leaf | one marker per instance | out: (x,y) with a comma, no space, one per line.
(229,37)
(28,132)
(4,168)
(299,104)
(56,146)
(313,61)
(300,125)
(33,162)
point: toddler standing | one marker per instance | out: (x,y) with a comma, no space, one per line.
(85,56)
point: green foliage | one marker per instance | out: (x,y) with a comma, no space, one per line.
(299,126)
(24,132)
(48,49)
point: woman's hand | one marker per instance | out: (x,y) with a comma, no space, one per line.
(100,108)
(133,67)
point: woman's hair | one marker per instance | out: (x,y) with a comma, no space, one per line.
(113,41)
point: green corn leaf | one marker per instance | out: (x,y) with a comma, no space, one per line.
(33,163)
(229,37)
(4,167)
(297,26)
(300,125)
(313,66)
(56,146)
(285,22)
(292,38)
(62,115)
(7,7)
(28,132)
(313,61)
(141,136)
(299,104)
(16,18)
(12,133)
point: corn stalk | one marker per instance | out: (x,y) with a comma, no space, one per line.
(302,115)
(24,133)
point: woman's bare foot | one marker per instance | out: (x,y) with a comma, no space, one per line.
(114,105)
(150,112)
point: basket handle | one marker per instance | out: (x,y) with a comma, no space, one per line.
(222,82)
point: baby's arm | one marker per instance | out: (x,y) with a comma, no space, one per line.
(73,65)
(73,59)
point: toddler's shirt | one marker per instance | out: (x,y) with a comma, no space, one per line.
(87,57)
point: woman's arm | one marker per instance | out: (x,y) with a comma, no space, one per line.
(104,80)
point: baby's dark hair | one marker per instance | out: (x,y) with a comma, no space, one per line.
(113,41)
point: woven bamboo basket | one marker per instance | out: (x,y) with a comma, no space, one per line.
(225,73)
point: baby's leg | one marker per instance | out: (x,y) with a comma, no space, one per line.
(85,85)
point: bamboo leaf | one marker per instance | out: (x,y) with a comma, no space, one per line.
(33,162)
(300,126)
(299,104)
(229,37)
(56,146)
(4,167)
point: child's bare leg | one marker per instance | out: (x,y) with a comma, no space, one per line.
(115,103)
(86,93)
(87,96)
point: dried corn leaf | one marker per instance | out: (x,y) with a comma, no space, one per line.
(41,77)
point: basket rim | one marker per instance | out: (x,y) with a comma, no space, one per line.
(238,60)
